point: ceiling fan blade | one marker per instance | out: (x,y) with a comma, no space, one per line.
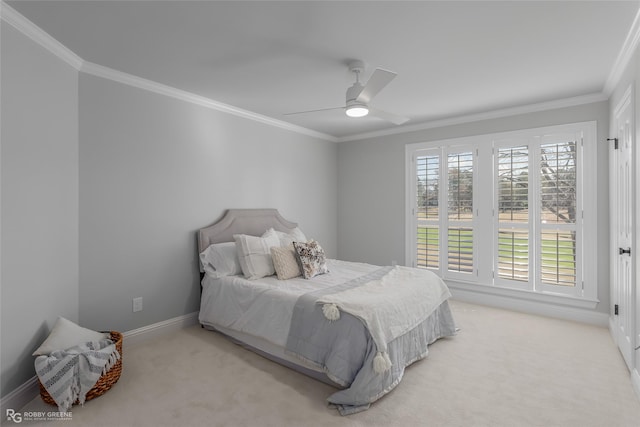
(378,80)
(390,117)
(313,111)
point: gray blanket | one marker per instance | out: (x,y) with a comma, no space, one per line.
(344,349)
(69,374)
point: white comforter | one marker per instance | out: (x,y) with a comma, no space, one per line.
(264,307)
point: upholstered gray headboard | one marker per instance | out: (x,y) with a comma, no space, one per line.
(242,221)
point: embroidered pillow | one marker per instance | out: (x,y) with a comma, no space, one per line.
(285,262)
(254,254)
(312,259)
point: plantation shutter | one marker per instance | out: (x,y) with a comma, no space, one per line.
(427,198)
(558,213)
(460,212)
(513,213)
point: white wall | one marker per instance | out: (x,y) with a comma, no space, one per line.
(154,169)
(39,199)
(371,193)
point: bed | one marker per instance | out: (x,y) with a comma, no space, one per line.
(355,326)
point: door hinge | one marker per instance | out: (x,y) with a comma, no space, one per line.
(615,142)
(615,309)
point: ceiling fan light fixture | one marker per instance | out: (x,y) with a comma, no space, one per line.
(359,96)
(357,110)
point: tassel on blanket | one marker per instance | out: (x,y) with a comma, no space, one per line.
(331,312)
(113,358)
(381,363)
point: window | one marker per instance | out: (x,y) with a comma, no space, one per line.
(518,196)
(459,236)
(558,208)
(455,224)
(512,187)
(427,218)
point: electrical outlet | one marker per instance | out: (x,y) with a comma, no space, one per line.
(137,304)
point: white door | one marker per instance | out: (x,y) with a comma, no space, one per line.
(622,190)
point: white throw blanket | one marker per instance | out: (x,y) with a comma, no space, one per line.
(390,306)
(69,374)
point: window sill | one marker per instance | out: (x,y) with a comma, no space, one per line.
(525,295)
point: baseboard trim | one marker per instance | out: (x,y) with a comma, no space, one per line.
(20,396)
(25,393)
(145,333)
(532,307)
(635,382)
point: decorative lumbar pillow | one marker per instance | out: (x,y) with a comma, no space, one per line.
(285,262)
(312,258)
(295,235)
(255,255)
(221,259)
(66,334)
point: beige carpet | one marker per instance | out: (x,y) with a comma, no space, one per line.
(502,369)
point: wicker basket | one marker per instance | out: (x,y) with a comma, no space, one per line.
(104,383)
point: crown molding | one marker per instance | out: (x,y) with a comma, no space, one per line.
(624,56)
(28,28)
(159,88)
(31,30)
(35,33)
(495,114)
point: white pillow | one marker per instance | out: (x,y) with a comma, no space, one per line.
(296,235)
(221,259)
(66,334)
(254,254)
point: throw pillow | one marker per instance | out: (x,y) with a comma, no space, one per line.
(285,262)
(312,258)
(66,334)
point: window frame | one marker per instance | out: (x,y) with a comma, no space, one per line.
(485,223)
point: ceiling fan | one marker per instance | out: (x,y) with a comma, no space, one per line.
(359,95)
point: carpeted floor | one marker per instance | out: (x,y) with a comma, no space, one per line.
(502,369)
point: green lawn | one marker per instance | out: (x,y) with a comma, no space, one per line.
(558,263)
